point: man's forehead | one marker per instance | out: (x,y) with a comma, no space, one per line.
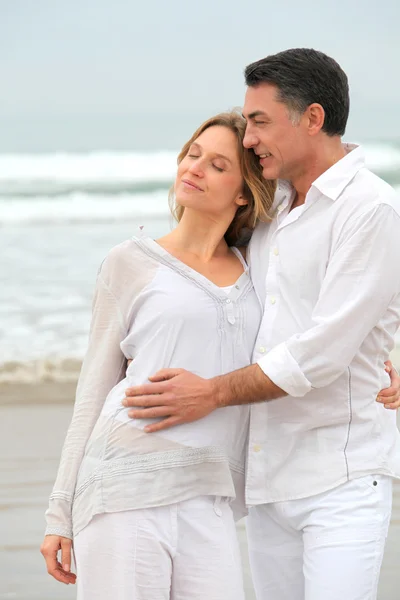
(260,100)
(253,114)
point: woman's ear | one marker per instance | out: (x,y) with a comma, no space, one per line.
(241,200)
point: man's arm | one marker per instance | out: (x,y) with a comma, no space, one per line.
(245,386)
(179,396)
(360,284)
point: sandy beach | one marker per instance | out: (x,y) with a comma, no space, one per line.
(33,419)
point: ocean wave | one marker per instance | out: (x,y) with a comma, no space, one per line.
(98,172)
(116,172)
(110,186)
(382,158)
(83,208)
(40,371)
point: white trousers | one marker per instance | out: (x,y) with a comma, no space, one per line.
(184,551)
(326,547)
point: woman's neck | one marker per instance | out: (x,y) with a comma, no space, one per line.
(198,235)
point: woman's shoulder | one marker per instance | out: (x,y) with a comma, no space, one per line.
(126,259)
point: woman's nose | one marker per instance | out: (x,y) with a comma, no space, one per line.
(197,168)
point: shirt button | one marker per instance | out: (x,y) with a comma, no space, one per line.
(280,208)
(227,301)
(276,251)
(256,448)
(272,299)
(262,349)
(237,287)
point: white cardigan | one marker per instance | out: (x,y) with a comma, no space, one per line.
(151,307)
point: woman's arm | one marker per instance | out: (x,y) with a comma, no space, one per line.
(103,367)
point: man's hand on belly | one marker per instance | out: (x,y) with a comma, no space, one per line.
(175,395)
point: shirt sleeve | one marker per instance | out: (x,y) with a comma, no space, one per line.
(361,281)
(103,367)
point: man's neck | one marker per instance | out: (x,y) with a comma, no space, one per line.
(322,159)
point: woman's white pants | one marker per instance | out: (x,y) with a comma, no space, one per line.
(183,551)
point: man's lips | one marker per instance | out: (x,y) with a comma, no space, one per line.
(191,185)
(264,157)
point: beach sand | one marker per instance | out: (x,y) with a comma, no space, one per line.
(33,422)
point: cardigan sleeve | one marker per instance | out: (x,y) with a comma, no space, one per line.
(103,367)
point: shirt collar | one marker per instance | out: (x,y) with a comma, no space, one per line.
(283,195)
(333,181)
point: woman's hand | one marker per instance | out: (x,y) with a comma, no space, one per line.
(50,547)
(390,396)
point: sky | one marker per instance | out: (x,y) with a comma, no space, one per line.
(119,74)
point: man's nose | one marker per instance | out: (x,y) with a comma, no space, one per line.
(249,140)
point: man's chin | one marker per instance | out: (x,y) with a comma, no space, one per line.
(270,172)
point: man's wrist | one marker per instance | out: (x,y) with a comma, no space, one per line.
(218,392)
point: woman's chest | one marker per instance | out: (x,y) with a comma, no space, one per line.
(181,308)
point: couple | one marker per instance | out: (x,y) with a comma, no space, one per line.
(152,475)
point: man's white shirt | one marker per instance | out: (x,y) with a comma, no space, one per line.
(328,275)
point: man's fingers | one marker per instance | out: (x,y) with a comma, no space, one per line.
(387,399)
(391,391)
(147,389)
(145,401)
(66,555)
(164,424)
(150,413)
(165,374)
(393,405)
(390,400)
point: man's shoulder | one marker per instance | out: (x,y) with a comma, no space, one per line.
(367,192)
(260,232)
(372,188)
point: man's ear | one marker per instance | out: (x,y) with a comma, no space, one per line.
(316,117)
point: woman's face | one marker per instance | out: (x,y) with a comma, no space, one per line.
(209,178)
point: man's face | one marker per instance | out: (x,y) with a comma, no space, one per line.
(280,141)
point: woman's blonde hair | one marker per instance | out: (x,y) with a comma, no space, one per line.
(258,192)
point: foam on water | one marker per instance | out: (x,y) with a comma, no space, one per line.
(79,207)
(52,170)
(59,173)
(382,158)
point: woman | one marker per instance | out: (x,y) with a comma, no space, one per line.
(151,515)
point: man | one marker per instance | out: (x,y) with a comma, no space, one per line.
(322,457)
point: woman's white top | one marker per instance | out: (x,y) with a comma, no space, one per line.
(151,307)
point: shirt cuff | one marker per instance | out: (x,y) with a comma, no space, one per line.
(280,366)
(60,531)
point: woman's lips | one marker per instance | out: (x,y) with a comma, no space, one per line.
(191,185)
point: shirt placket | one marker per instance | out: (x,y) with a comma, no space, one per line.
(257,461)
